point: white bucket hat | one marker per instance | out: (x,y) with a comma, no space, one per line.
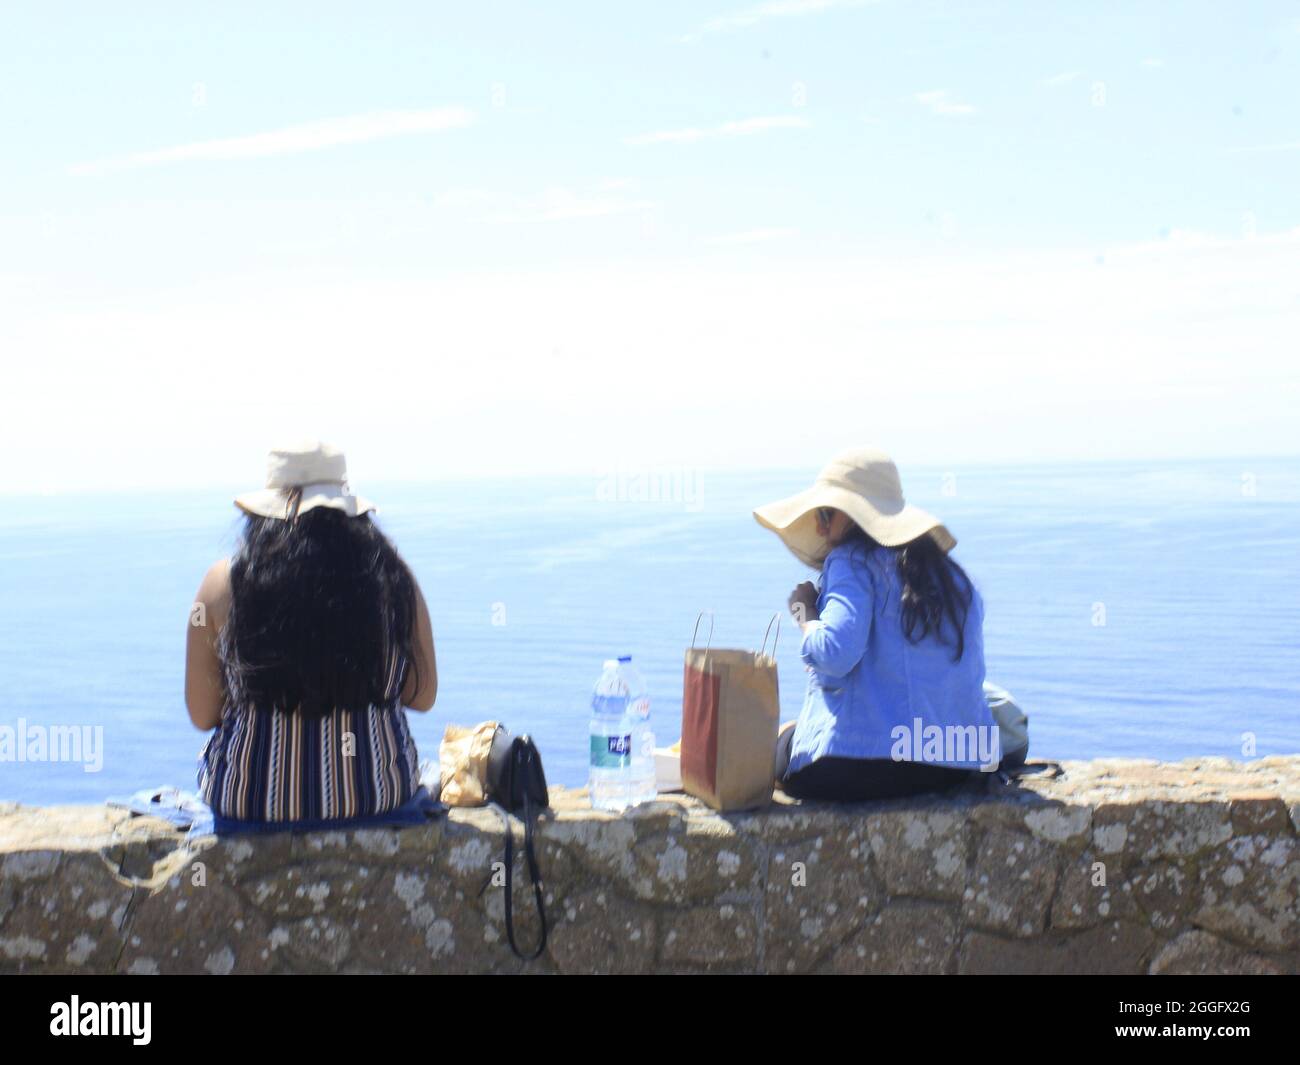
(315,473)
(863,483)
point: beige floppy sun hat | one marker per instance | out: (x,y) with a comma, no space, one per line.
(863,483)
(315,472)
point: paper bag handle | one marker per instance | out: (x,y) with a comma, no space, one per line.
(694,634)
(763,650)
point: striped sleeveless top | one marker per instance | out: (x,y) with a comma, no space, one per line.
(272,765)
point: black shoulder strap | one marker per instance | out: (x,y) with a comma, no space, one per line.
(534,875)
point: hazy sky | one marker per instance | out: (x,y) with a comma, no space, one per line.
(513,237)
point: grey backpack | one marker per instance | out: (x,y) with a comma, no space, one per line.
(1013,725)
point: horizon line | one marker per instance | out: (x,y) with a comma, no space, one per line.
(634,468)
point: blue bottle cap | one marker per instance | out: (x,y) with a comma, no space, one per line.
(625,658)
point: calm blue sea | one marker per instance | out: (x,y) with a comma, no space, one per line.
(1148,610)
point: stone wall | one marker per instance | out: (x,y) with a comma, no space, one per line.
(1115,867)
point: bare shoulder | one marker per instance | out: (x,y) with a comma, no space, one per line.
(214,590)
(216,582)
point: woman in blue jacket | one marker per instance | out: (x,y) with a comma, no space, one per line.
(892,639)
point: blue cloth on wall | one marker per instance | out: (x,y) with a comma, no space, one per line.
(187,811)
(183,809)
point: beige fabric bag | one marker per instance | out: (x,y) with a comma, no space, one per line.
(463,761)
(730,718)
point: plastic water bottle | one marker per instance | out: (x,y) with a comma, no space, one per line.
(622,745)
(611,742)
(641,786)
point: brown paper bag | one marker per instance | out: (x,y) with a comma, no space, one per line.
(463,760)
(730,718)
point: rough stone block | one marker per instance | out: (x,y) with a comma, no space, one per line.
(1199,861)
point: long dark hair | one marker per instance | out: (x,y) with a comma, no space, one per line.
(935,588)
(319,603)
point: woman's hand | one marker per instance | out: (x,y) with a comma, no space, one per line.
(803,602)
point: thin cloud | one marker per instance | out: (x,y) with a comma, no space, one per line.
(940,103)
(740,128)
(1283,146)
(1152,61)
(562,204)
(739,20)
(754,236)
(1061,79)
(553,205)
(305,137)
(1195,240)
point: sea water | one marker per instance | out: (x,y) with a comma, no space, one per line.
(1133,609)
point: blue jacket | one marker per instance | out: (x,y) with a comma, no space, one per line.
(872,693)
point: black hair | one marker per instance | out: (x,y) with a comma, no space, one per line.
(935,588)
(319,605)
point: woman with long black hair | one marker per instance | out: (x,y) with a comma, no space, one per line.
(892,640)
(304,651)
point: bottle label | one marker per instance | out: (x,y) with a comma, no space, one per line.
(611,752)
